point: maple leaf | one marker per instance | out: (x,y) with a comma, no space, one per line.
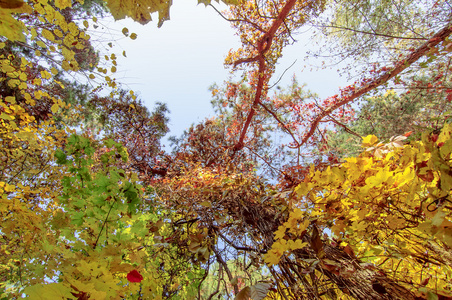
(10,27)
(134,276)
(369,140)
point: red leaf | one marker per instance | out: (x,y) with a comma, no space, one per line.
(449,97)
(134,276)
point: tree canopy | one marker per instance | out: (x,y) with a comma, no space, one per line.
(281,195)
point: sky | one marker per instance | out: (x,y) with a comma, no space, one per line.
(177,63)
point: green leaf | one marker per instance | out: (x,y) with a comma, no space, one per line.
(61,157)
(78,218)
(431,296)
(235,280)
(205,2)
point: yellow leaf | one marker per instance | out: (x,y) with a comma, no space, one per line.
(27,96)
(85,23)
(280,233)
(37,81)
(297,214)
(41,44)
(91,76)
(63,25)
(9,188)
(73,28)
(54,108)
(45,74)
(58,33)
(62,4)
(11,28)
(38,95)
(48,35)
(54,71)
(6,117)
(113,69)
(369,140)
(272,257)
(10,99)
(33,33)
(133,36)
(299,244)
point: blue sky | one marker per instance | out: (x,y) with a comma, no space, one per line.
(177,63)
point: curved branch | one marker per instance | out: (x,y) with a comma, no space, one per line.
(439,37)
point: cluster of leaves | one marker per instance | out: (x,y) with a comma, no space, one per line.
(106,214)
(391,205)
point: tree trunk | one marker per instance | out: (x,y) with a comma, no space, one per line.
(361,281)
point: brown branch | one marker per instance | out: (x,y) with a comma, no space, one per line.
(246,60)
(401,66)
(263,46)
(257,97)
(225,266)
(238,20)
(144,168)
(284,126)
(239,248)
(375,33)
(345,127)
(268,37)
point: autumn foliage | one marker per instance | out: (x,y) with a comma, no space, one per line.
(281,195)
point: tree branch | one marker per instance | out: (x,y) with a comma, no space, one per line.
(225,266)
(400,66)
(263,45)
